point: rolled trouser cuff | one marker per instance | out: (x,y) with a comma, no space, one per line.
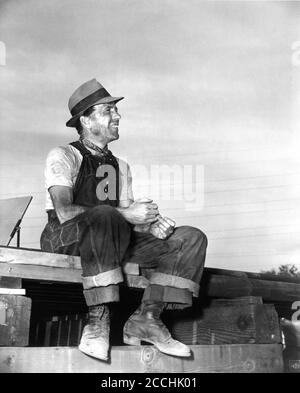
(169,280)
(95,296)
(104,279)
(175,298)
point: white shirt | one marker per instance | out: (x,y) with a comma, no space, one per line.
(62,168)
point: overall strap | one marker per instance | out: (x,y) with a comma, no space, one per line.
(81,148)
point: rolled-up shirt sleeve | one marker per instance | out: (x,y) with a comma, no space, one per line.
(125,192)
(59,169)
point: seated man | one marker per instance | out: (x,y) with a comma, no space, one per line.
(91,213)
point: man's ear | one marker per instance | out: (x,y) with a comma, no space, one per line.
(85,121)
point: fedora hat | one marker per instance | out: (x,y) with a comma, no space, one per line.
(88,94)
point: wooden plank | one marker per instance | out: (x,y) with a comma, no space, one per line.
(258,276)
(22,256)
(235,324)
(275,290)
(14,320)
(29,257)
(291,357)
(46,273)
(239,301)
(226,286)
(212,285)
(41,272)
(255,358)
(10,282)
(12,291)
(15,255)
(58,267)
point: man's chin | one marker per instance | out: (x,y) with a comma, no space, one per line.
(114,137)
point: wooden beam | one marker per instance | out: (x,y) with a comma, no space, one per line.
(14,320)
(46,273)
(226,324)
(212,285)
(28,257)
(258,276)
(22,256)
(36,272)
(215,283)
(12,291)
(227,286)
(10,282)
(254,358)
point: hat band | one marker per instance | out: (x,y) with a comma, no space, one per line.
(89,101)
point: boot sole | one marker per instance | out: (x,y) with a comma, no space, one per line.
(131,340)
(87,351)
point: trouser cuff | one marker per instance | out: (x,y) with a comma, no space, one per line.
(95,296)
(164,279)
(175,298)
(109,277)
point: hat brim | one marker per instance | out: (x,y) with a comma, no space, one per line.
(73,121)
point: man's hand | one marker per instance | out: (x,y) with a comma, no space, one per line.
(142,211)
(162,228)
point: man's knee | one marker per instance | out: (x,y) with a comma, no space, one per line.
(194,236)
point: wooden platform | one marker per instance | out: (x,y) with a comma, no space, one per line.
(253,358)
(37,265)
(243,338)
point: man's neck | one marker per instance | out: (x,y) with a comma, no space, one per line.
(96,142)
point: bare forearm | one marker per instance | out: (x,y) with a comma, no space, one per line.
(125,213)
(139,213)
(66,213)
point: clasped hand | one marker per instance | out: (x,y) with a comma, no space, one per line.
(162,228)
(144,213)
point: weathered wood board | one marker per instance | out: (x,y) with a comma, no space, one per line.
(228,324)
(14,320)
(291,357)
(291,353)
(10,282)
(254,358)
(39,258)
(56,267)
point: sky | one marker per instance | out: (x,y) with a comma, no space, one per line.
(209,86)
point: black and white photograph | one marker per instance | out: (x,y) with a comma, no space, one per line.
(149,189)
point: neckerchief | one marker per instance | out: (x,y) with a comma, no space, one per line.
(105,154)
(100,152)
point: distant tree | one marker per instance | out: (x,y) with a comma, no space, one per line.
(287,270)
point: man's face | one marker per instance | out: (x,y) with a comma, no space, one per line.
(104,122)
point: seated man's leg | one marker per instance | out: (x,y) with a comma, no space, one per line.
(175,280)
(100,236)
